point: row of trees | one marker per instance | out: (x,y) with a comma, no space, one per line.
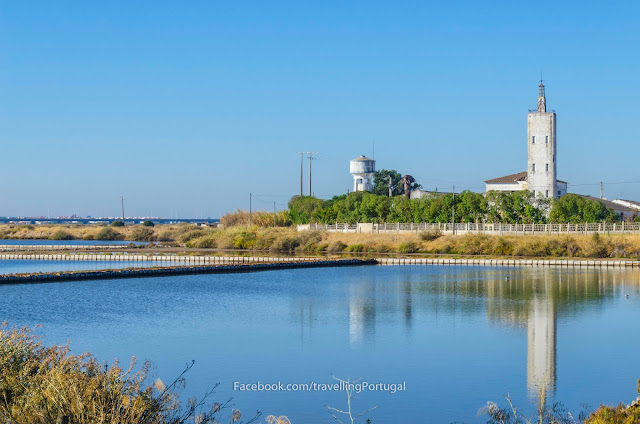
(516,207)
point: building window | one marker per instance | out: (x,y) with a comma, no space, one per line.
(547,166)
(533,139)
(546,193)
(546,139)
(533,167)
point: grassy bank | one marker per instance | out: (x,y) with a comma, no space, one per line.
(287,239)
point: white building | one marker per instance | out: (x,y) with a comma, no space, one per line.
(540,176)
(362,170)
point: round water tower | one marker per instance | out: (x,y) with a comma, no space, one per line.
(362,170)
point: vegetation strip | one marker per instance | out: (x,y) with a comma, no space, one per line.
(173,270)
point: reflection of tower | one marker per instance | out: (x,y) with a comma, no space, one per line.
(407,304)
(362,317)
(541,344)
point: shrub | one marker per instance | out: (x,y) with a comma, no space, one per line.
(165,236)
(185,237)
(142,234)
(148,223)
(41,384)
(244,240)
(108,234)
(117,223)
(430,235)
(408,247)
(617,414)
(259,218)
(61,235)
(358,247)
(336,246)
(285,244)
(208,242)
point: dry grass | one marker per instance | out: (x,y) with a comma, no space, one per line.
(47,385)
(288,239)
(258,218)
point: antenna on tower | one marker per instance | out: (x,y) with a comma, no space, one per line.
(374,150)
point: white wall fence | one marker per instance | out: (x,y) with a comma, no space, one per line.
(473,228)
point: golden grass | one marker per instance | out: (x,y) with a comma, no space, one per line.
(289,239)
(46,385)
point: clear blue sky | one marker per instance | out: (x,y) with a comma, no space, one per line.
(185,107)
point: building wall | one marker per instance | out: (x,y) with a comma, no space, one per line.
(516,186)
(542,152)
(561,189)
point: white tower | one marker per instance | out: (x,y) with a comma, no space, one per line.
(541,149)
(362,170)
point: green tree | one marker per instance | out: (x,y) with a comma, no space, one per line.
(574,208)
(302,208)
(381,183)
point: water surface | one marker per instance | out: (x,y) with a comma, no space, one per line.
(458,336)
(10,266)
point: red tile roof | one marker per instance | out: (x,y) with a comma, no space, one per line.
(520,176)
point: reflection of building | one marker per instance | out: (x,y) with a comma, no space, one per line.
(541,344)
(362,316)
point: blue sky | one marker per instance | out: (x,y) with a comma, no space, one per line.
(186,107)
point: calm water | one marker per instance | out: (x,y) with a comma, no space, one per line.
(20,266)
(13,242)
(458,336)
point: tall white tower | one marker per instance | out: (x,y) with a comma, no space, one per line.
(541,149)
(362,170)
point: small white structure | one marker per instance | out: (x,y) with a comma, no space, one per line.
(628,203)
(362,170)
(540,176)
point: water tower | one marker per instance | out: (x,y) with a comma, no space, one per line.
(362,170)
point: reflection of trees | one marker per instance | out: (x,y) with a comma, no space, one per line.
(526,298)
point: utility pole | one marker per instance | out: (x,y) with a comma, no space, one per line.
(601,190)
(453,210)
(301,160)
(122,201)
(310,157)
(274,214)
(390,187)
(249,209)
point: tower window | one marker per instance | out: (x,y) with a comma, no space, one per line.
(533,167)
(547,193)
(546,139)
(533,139)
(547,166)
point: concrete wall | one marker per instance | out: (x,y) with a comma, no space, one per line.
(515,186)
(542,126)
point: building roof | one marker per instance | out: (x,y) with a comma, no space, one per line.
(514,178)
(520,176)
(361,158)
(611,205)
(633,202)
